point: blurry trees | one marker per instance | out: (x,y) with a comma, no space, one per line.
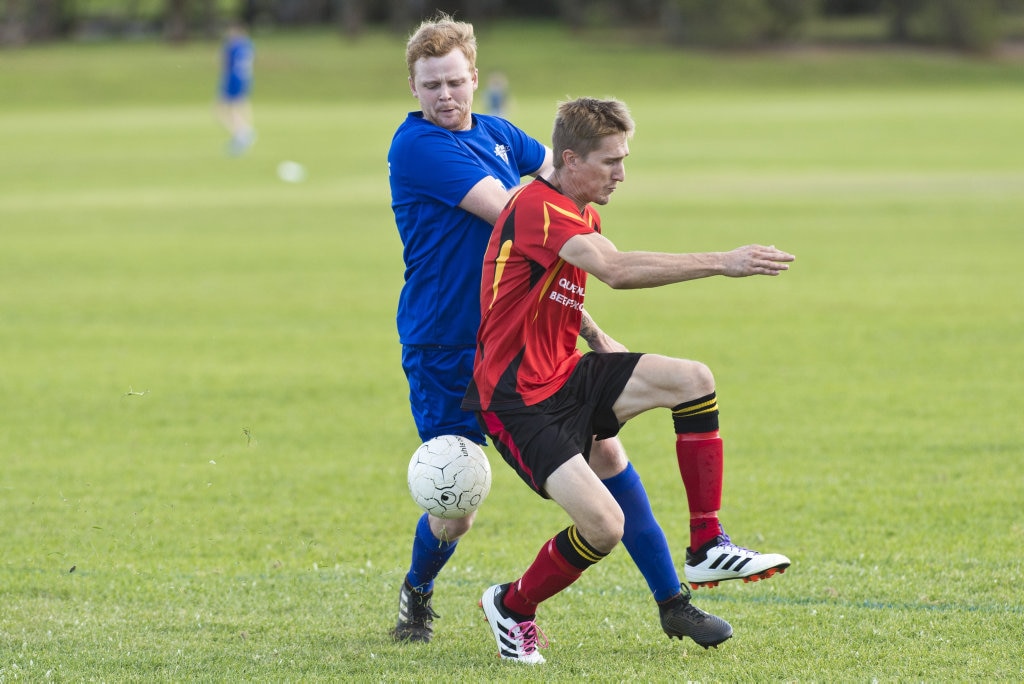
(735,23)
(351,17)
(25,21)
(182,17)
(971,25)
(176,20)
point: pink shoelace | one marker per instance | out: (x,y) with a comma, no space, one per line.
(529,636)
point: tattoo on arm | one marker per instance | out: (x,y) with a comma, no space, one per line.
(588,330)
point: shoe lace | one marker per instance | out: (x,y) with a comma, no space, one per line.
(694,614)
(690,611)
(421,609)
(733,547)
(529,636)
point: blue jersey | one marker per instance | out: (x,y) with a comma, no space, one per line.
(236,76)
(431,169)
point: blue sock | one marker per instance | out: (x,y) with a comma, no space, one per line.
(643,536)
(429,554)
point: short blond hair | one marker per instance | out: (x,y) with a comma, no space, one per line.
(581,124)
(437,37)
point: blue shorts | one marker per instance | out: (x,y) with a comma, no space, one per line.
(234,89)
(438,377)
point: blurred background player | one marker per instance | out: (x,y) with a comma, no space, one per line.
(497,94)
(234,108)
(451,173)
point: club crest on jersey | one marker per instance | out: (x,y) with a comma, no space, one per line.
(501,151)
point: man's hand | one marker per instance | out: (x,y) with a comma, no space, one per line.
(755,260)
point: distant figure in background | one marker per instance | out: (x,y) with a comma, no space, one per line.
(233,106)
(497,94)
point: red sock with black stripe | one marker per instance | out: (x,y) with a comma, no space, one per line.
(701,465)
(560,562)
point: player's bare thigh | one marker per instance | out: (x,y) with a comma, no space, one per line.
(662,381)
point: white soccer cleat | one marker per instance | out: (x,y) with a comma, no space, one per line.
(721,560)
(517,641)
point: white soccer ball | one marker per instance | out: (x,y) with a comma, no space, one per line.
(291,172)
(449,476)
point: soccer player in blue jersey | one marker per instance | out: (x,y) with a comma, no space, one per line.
(233,104)
(451,173)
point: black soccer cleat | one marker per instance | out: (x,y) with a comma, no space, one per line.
(680,618)
(415,616)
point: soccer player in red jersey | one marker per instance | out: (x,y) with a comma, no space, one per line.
(543,402)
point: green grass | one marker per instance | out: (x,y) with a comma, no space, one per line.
(203,416)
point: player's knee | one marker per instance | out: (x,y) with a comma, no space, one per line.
(451,529)
(696,378)
(606,532)
(608,458)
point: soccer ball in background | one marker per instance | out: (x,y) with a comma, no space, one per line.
(449,476)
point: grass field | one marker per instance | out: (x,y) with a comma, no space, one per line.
(203,422)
